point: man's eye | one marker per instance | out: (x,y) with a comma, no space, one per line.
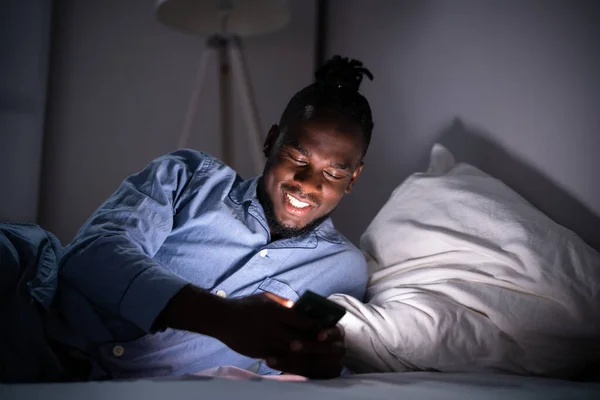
(296,160)
(334,176)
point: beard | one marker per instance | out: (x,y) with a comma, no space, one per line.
(278,229)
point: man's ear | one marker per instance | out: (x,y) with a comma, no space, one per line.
(270,140)
(355,176)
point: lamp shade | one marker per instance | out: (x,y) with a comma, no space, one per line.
(204,17)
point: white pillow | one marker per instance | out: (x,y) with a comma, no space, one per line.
(465,275)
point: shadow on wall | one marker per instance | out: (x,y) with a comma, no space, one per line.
(474,147)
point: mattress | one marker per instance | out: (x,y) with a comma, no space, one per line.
(411,385)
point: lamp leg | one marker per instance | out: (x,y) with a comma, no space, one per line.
(248,104)
(193,103)
(226,116)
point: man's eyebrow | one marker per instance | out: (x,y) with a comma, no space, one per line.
(340,166)
(295,146)
(306,153)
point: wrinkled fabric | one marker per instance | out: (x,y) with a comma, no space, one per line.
(28,270)
(467,276)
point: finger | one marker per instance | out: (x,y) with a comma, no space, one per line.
(281,347)
(280,339)
(289,365)
(334,334)
(279,300)
(296,346)
(319,349)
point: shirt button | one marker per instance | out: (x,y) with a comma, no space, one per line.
(118,351)
(221,293)
(263,253)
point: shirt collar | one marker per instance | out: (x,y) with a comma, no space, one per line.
(246,192)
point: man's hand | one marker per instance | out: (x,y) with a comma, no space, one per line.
(261,326)
(318,362)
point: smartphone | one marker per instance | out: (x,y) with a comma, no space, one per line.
(325,312)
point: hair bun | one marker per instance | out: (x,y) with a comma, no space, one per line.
(342,72)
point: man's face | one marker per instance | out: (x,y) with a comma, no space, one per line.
(310,168)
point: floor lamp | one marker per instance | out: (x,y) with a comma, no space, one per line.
(224,23)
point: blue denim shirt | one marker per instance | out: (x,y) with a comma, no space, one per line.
(186,218)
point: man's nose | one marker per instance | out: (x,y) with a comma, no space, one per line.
(309,179)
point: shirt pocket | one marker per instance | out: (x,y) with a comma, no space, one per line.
(277,287)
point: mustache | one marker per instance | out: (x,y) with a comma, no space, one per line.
(297,192)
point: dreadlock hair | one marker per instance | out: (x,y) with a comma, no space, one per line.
(336,91)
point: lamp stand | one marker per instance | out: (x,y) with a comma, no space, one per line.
(232,66)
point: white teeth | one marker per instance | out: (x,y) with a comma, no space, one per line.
(296,203)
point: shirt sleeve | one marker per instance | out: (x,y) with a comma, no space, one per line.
(111,260)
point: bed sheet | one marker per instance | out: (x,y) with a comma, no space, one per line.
(383,386)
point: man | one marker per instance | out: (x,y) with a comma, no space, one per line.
(177,271)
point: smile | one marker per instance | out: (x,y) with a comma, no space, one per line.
(295,206)
(295,202)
